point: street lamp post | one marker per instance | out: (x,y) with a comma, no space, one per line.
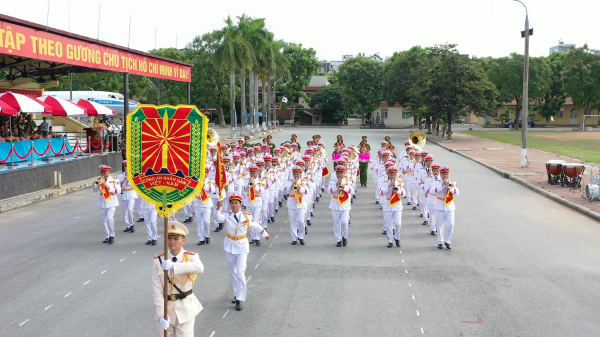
(525,110)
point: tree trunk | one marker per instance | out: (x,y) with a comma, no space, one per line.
(264,103)
(251,104)
(255,94)
(588,107)
(220,114)
(547,120)
(293,110)
(232,95)
(243,99)
(449,132)
(517,114)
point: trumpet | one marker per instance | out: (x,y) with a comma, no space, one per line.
(397,186)
(251,183)
(99,181)
(451,184)
(341,185)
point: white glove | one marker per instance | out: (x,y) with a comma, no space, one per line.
(167,265)
(165,323)
(347,189)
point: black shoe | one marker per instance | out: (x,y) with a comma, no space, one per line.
(339,244)
(398,243)
(268,220)
(414,207)
(301,241)
(354,196)
(285,197)
(207,240)
(294,242)
(432,233)
(140,220)
(191,219)
(276,211)
(352,200)
(257,242)
(349,222)
(308,222)
(200,243)
(186,221)
(384,232)
(217,229)
(148,242)
(233,301)
(390,245)
(322,189)
(221,226)
(311,213)
(111,239)
(154,242)
(280,205)
(408,203)
(448,246)
(317,198)
(132,229)
(105,240)
(126,230)
(421,215)
(305,230)
(425,223)
(344,241)
(252,242)
(238,305)
(272,219)
(440,246)
(377,202)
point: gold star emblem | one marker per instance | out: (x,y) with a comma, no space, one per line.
(173,226)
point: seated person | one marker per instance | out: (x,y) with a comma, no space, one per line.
(26,132)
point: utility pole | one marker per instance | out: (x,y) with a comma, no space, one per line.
(525,110)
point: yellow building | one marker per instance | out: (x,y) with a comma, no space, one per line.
(569,115)
(396,116)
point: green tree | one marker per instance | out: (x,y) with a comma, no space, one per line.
(329,100)
(277,69)
(450,85)
(105,81)
(507,74)
(171,92)
(361,82)
(581,76)
(554,98)
(303,65)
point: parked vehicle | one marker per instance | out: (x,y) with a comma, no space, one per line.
(511,124)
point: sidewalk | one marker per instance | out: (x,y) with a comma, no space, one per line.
(49,193)
(505,159)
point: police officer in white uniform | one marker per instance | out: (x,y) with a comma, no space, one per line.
(108,201)
(128,198)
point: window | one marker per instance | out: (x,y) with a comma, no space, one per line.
(495,115)
(384,113)
(561,114)
(405,113)
(573,112)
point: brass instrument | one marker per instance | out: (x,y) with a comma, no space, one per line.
(354,154)
(417,140)
(341,184)
(288,152)
(295,187)
(451,184)
(251,183)
(99,181)
(212,137)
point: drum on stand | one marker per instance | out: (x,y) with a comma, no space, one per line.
(573,173)
(554,170)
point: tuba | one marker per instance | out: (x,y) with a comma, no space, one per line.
(417,140)
(212,137)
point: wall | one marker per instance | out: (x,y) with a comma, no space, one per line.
(29,180)
(394,117)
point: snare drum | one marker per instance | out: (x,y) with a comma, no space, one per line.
(592,191)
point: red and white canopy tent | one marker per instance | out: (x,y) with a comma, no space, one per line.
(23,103)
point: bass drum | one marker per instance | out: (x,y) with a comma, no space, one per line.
(592,191)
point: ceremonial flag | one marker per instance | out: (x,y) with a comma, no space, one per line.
(220,174)
(298,196)
(105,192)
(325,172)
(204,196)
(343,197)
(395,199)
(449,198)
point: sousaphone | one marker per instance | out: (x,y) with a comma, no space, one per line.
(417,140)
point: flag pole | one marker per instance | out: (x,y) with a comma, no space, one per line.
(166,256)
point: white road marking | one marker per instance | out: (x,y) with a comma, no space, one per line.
(120,242)
(68,294)
(134,252)
(410,285)
(417,312)
(256,265)
(226,313)
(122,260)
(270,244)
(48,307)
(159,236)
(276,236)
(88,281)
(248,279)
(400,252)
(413,296)
(405,271)
(104,271)
(281,229)
(212,334)
(264,255)
(423,332)
(402,260)
(27,320)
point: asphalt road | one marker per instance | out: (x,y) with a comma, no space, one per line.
(521,265)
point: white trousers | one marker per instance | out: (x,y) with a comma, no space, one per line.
(340,223)
(177,329)
(255,209)
(237,272)
(431,216)
(408,188)
(214,209)
(297,223)
(376,183)
(150,216)
(393,222)
(139,207)
(108,220)
(128,212)
(203,222)
(447,218)
(265,211)
(188,210)
(415,193)
(423,203)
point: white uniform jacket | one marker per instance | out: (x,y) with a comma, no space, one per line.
(127,192)
(208,188)
(235,241)
(335,192)
(386,193)
(114,189)
(292,203)
(440,192)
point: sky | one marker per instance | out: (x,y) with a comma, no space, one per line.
(332,27)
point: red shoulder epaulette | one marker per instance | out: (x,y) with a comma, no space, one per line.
(190,252)
(161,254)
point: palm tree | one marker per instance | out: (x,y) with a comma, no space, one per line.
(277,69)
(234,50)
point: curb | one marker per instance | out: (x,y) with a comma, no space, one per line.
(47,196)
(583,210)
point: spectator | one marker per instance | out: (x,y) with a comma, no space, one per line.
(26,132)
(31,123)
(15,131)
(40,130)
(3,132)
(45,127)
